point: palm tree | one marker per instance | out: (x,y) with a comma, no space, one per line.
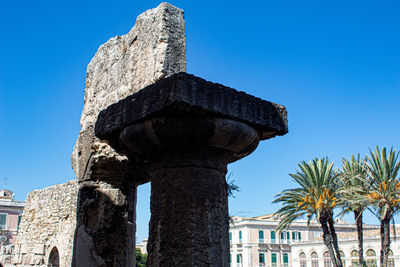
(316,195)
(354,190)
(382,170)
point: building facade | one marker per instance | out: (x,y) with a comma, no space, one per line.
(255,242)
(315,254)
(10,217)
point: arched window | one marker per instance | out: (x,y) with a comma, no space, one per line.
(391,259)
(314,259)
(273,237)
(261,259)
(239,260)
(354,258)
(285,260)
(370,258)
(303,260)
(342,257)
(327,259)
(54,258)
(274,260)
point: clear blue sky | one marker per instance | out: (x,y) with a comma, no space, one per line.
(335,65)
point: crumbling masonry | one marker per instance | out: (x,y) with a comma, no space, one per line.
(170,128)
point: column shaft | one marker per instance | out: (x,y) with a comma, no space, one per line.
(189,216)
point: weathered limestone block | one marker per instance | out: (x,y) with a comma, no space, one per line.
(153,49)
(46,212)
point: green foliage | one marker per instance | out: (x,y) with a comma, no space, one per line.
(316,195)
(140,258)
(354,185)
(354,189)
(231,187)
(382,170)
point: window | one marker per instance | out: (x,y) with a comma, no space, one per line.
(54,259)
(260,236)
(239,260)
(370,258)
(285,237)
(327,259)
(354,258)
(314,259)
(240,236)
(273,238)
(303,260)
(342,257)
(285,260)
(296,236)
(230,237)
(273,260)
(261,259)
(3,220)
(391,259)
(19,221)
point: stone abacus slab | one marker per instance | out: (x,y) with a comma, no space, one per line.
(183,93)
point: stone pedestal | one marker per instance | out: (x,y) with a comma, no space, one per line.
(188,130)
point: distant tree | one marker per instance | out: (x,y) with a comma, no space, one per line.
(140,258)
(384,195)
(231,187)
(316,195)
(354,190)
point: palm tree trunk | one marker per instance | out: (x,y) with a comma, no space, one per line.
(334,240)
(359,222)
(328,240)
(385,240)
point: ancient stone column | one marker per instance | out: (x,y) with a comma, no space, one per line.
(188,130)
(153,49)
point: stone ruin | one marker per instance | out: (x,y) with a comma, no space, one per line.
(47,225)
(144,119)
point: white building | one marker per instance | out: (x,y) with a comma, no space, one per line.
(314,253)
(255,242)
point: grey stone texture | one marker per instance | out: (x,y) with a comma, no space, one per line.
(185,93)
(48,221)
(188,130)
(153,49)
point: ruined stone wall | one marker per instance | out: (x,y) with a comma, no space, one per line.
(153,49)
(48,221)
